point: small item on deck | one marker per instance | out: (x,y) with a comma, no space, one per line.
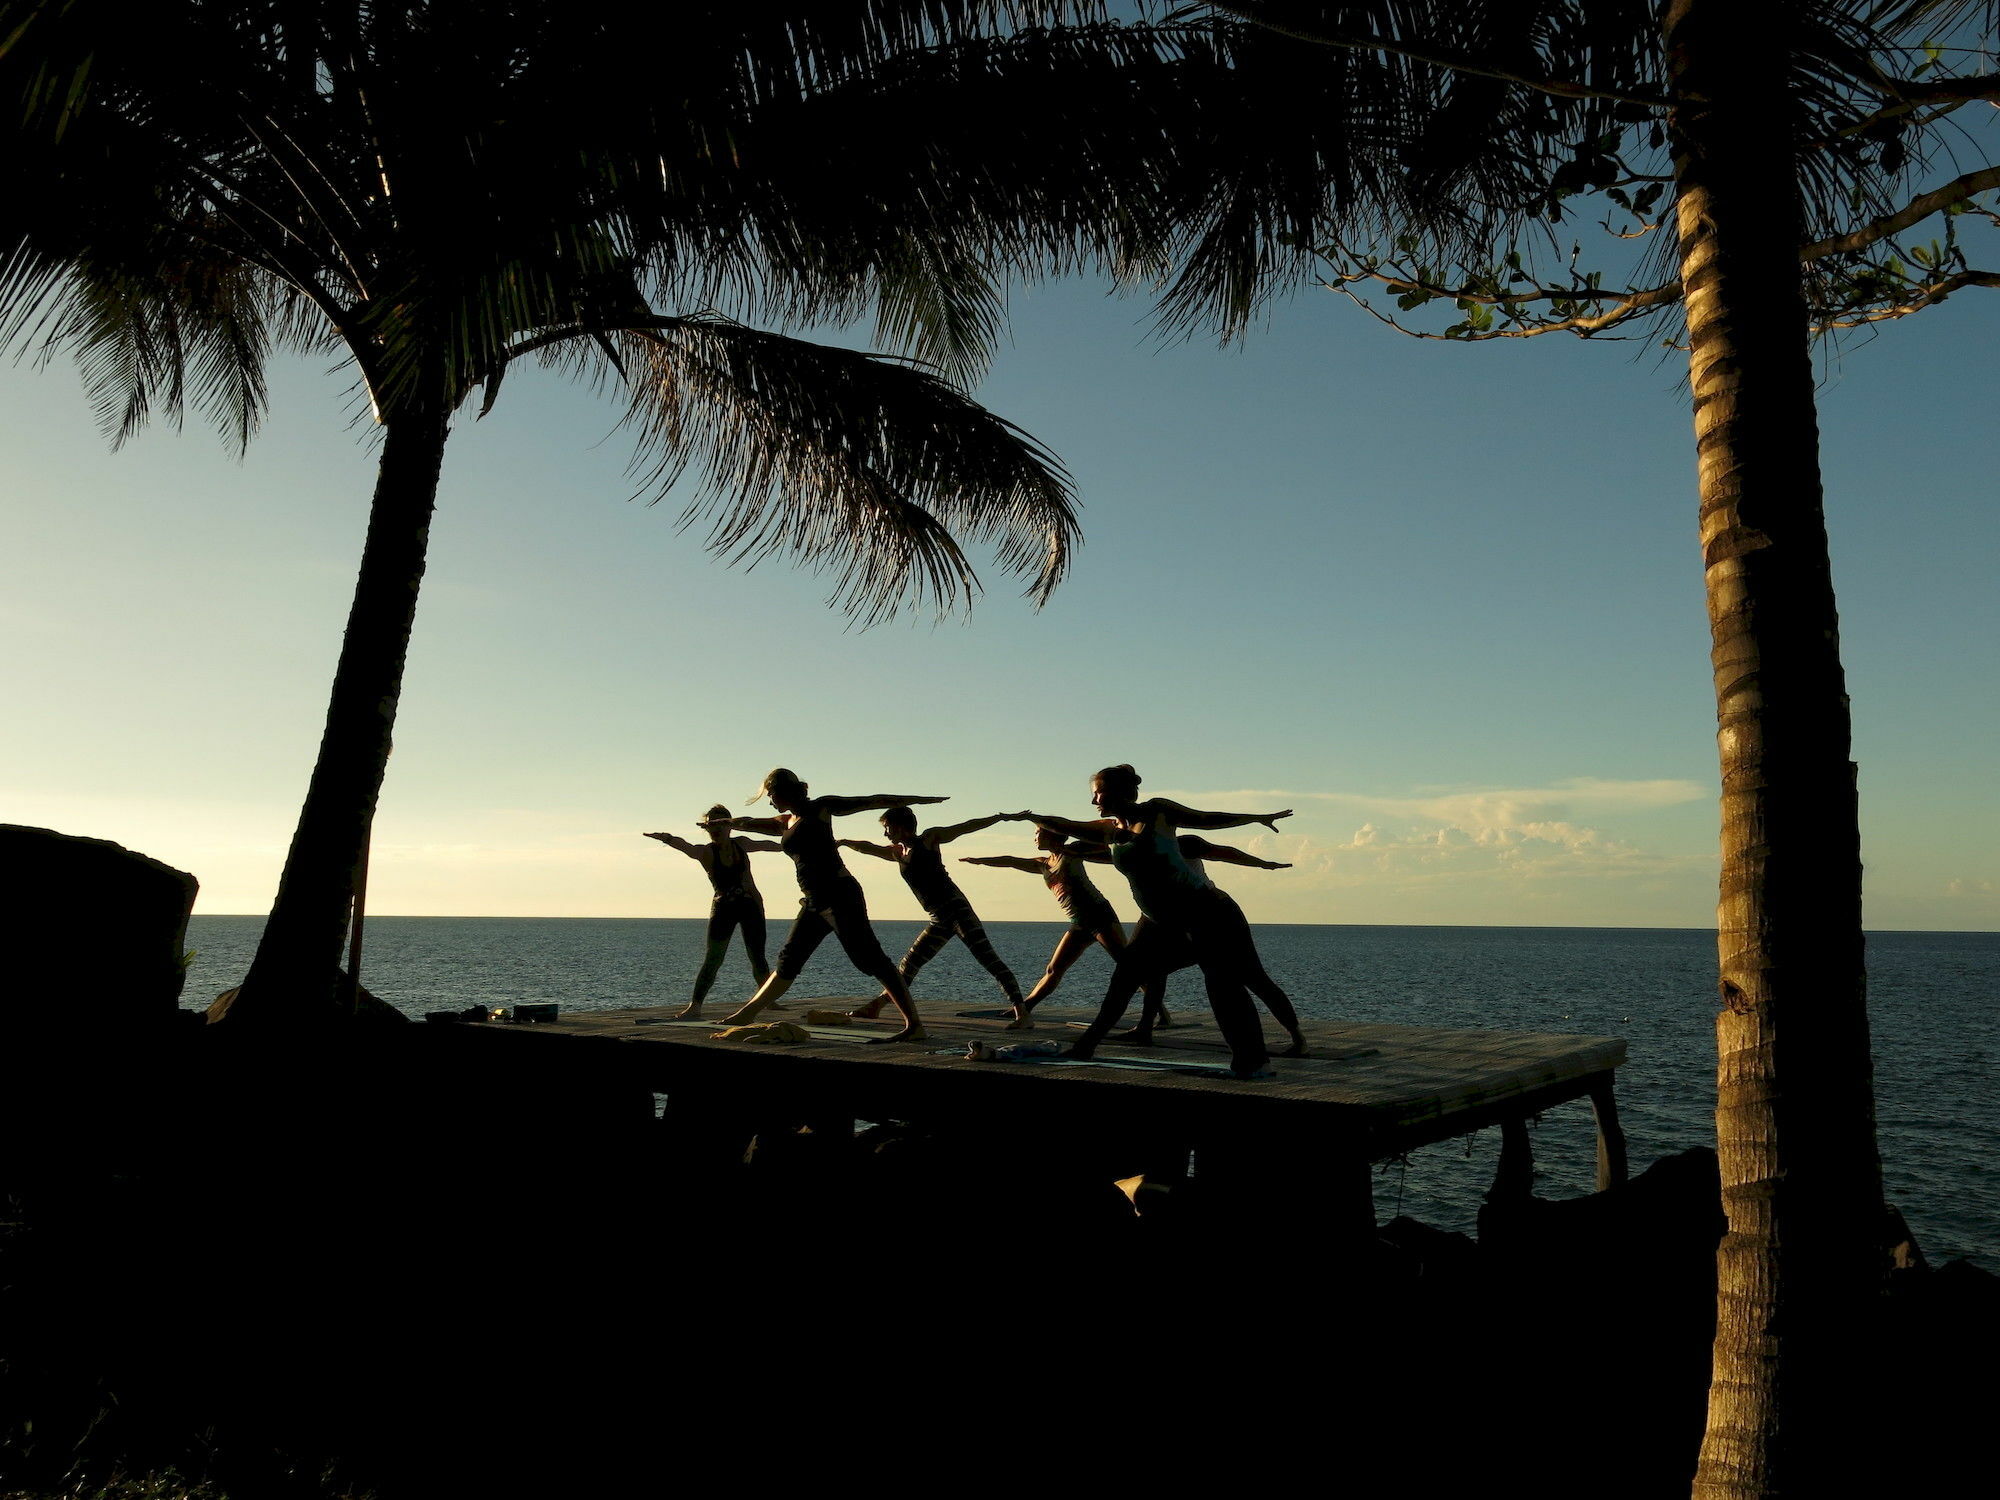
(1028,1051)
(540,1010)
(976,1051)
(826,1018)
(497,1013)
(774,1033)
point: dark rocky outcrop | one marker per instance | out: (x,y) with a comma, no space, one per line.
(100,933)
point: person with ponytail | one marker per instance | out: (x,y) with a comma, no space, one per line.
(725,860)
(830,899)
(1187,917)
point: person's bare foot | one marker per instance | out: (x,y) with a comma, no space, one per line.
(776,1005)
(1082,1050)
(1134,1036)
(742,1017)
(687,1013)
(1298,1047)
(907,1034)
(872,1011)
(1024,1017)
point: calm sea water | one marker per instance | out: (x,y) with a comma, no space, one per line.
(1935,1003)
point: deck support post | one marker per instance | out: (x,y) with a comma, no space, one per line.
(1514,1178)
(1611,1163)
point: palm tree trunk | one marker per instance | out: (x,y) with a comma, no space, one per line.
(1795,1123)
(295,976)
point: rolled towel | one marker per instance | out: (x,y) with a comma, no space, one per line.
(826,1018)
(777,1033)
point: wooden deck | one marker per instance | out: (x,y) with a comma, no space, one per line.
(1365,1091)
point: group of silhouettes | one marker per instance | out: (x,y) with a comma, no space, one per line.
(1185,918)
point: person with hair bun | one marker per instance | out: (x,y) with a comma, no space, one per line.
(830,899)
(725,860)
(1186,915)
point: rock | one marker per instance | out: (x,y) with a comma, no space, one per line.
(101,933)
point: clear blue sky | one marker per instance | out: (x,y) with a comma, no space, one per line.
(1444,600)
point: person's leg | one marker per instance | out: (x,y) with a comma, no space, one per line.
(972,932)
(753,940)
(809,929)
(1152,992)
(1139,964)
(850,924)
(1278,1003)
(930,942)
(1071,946)
(721,923)
(1222,947)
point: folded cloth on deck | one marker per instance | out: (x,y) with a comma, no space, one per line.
(826,1018)
(776,1033)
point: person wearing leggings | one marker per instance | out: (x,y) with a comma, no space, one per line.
(1196,851)
(1092,919)
(951,915)
(1186,920)
(830,899)
(736,902)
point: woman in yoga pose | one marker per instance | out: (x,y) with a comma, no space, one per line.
(951,915)
(1186,918)
(726,862)
(1196,851)
(830,899)
(1091,919)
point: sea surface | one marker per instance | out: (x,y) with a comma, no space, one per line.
(1934,1002)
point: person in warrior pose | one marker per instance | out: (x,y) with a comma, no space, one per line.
(951,915)
(1091,919)
(1103,926)
(830,899)
(1197,851)
(1186,918)
(726,862)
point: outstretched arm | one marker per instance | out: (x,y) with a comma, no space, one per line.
(757,825)
(839,807)
(1097,830)
(1097,854)
(862,846)
(759,846)
(1199,848)
(1183,816)
(1006,862)
(958,830)
(674,842)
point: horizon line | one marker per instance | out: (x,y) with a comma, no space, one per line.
(1032,922)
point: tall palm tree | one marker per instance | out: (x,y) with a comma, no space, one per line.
(437,191)
(1772,138)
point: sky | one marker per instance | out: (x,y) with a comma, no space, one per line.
(1445,601)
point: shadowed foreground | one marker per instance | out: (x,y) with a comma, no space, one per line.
(368,1265)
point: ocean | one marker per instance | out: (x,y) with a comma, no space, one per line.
(1933,995)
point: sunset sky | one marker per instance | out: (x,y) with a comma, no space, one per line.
(1445,601)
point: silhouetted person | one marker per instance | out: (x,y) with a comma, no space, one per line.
(1187,916)
(736,903)
(830,899)
(951,915)
(1092,919)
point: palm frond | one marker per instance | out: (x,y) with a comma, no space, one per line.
(868,466)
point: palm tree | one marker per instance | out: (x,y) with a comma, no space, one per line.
(1775,137)
(436,192)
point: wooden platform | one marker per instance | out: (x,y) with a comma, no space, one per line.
(1365,1091)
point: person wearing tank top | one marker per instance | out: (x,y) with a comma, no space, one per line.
(1092,920)
(734,903)
(830,899)
(1181,906)
(951,915)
